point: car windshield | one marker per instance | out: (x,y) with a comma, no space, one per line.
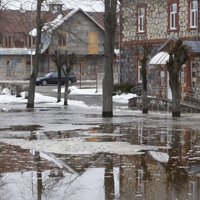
(51,74)
(55,74)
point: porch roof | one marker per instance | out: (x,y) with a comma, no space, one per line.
(160,58)
(193,45)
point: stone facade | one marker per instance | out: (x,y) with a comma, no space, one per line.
(156,31)
(156,21)
(195,72)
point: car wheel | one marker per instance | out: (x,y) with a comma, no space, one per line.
(44,82)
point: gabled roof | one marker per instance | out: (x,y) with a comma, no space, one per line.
(59,20)
(16,21)
(54,24)
(13,21)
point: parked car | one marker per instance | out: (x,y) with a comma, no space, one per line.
(52,78)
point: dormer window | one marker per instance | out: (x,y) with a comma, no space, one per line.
(193,13)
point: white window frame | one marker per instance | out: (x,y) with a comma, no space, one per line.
(193,13)
(141,20)
(139,71)
(173,16)
(140,181)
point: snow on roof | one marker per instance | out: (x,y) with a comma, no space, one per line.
(16,51)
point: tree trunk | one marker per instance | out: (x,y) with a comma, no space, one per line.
(109,39)
(178,55)
(31,91)
(144,88)
(66,90)
(175,87)
(59,85)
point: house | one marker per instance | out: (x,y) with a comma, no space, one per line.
(155,23)
(74,31)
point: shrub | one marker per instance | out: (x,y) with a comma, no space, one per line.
(122,88)
(128,88)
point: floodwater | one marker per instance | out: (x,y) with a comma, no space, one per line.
(170,171)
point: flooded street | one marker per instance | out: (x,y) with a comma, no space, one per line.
(68,153)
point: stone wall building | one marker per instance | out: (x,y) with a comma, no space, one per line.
(153,22)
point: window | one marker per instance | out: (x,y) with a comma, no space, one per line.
(19,39)
(93,43)
(173,16)
(141,19)
(62,40)
(1,40)
(140,181)
(193,14)
(29,40)
(8,42)
(139,70)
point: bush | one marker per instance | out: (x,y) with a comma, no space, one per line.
(122,88)
(128,88)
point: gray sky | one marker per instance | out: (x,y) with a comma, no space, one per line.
(88,5)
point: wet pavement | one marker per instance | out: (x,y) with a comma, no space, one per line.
(39,162)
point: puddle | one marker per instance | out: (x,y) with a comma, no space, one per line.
(170,172)
(22,128)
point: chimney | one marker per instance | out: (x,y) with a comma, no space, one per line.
(55,7)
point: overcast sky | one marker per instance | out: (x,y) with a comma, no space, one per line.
(88,5)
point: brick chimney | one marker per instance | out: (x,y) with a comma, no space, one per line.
(55,7)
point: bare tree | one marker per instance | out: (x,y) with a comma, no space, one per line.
(144,53)
(70,60)
(64,63)
(109,40)
(59,60)
(31,91)
(178,55)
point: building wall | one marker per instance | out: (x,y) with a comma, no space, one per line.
(156,21)
(15,67)
(89,56)
(195,75)
(76,29)
(156,32)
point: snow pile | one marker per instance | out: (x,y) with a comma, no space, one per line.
(123,98)
(75,91)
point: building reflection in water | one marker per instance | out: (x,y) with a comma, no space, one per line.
(169,171)
(172,171)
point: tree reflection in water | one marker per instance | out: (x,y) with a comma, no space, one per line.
(39,176)
(109,178)
(177,176)
(4,195)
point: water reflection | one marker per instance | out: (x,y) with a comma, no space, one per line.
(170,172)
(109,178)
